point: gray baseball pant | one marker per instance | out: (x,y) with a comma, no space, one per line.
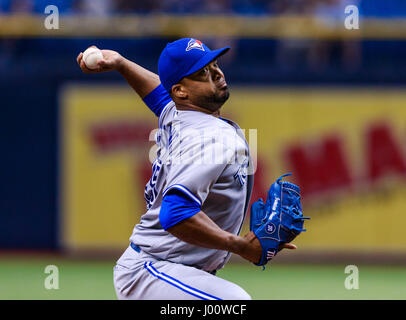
(139,276)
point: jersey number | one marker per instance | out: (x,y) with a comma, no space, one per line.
(151,192)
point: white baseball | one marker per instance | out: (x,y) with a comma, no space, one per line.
(91,57)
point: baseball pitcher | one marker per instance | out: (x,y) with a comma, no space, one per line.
(200,186)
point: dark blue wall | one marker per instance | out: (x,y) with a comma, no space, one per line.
(28,165)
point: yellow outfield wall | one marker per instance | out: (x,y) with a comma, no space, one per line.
(345,148)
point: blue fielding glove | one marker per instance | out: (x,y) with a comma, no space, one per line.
(279,220)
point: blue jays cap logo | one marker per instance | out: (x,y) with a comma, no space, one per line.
(194,44)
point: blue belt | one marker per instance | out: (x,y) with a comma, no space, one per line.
(135,247)
(138,249)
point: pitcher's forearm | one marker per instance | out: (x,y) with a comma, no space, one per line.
(201,231)
(140,79)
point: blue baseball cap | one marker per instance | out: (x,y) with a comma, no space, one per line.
(183,57)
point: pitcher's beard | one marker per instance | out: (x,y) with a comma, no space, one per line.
(215,101)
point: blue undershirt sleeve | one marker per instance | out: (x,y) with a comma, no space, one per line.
(157,99)
(176,206)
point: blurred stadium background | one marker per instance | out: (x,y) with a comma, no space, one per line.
(329,105)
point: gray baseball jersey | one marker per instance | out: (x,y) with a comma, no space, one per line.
(207,158)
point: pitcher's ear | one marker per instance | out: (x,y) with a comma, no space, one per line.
(179,91)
